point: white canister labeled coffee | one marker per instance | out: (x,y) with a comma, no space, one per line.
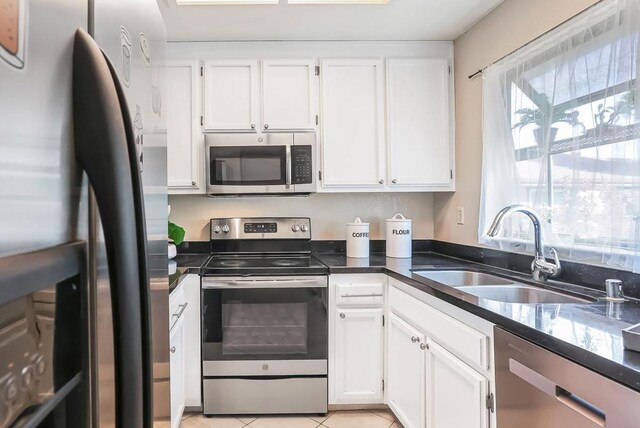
(358,239)
(398,236)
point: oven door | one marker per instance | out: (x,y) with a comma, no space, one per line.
(248,164)
(264,326)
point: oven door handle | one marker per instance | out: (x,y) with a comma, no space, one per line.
(314,282)
(288,166)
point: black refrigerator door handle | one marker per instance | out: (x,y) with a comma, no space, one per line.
(102,133)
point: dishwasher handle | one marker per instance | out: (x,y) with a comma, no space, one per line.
(564,396)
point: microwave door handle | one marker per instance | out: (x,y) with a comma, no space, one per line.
(288,166)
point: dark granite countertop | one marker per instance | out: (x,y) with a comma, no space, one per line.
(186,264)
(176,277)
(192,261)
(588,334)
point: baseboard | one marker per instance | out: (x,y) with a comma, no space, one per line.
(336,407)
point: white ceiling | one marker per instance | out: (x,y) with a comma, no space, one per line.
(398,20)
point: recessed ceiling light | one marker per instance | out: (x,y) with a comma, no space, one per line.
(223,2)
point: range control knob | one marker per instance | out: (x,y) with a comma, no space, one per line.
(225,228)
(295,228)
(216,229)
(304,227)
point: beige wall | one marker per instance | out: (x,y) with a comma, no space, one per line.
(509,26)
(329,213)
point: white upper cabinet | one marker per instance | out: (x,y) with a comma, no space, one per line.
(185,142)
(231,98)
(352,120)
(288,94)
(419,124)
(405,372)
(456,393)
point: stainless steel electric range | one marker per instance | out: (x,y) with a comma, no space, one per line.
(264,319)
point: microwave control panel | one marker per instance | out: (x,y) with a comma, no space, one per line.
(302,165)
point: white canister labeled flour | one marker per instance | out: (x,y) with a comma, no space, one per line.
(399,236)
(358,239)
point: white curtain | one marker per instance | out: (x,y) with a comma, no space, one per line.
(561,133)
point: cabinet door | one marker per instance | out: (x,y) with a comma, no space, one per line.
(359,348)
(405,373)
(192,341)
(185,142)
(353,154)
(419,124)
(177,371)
(231,95)
(456,393)
(288,94)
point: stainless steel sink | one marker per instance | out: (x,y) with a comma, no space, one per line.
(491,287)
(459,278)
(520,294)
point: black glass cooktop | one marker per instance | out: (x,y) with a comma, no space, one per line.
(263,264)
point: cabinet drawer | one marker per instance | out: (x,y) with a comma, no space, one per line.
(465,342)
(360,294)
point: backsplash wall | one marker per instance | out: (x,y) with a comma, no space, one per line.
(329,213)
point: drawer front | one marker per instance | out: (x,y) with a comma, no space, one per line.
(360,294)
(261,396)
(465,342)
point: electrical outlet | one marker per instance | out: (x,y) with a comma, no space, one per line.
(460,215)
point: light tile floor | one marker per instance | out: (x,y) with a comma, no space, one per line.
(338,419)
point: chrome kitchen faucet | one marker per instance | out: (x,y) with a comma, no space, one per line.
(541,269)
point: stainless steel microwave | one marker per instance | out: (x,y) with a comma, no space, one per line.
(259,164)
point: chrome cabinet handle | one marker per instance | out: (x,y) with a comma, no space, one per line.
(193,183)
(342,315)
(415,339)
(424,346)
(182,308)
(172,349)
(362,295)
(266,126)
(381,181)
(253,126)
(178,314)
(394,181)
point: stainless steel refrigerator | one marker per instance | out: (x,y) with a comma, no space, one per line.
(83,209)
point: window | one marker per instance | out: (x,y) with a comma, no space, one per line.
(561,133)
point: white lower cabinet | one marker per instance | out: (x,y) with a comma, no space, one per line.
(432,358)
(177,362)
(193,342)
(456,394)
(359,366)
(406,372)
(356,338)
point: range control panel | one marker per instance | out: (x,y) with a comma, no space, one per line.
(261,228)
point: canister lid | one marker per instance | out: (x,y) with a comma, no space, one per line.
(398,218)
(357,222)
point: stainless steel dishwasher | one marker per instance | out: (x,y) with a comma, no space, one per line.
(536,388)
